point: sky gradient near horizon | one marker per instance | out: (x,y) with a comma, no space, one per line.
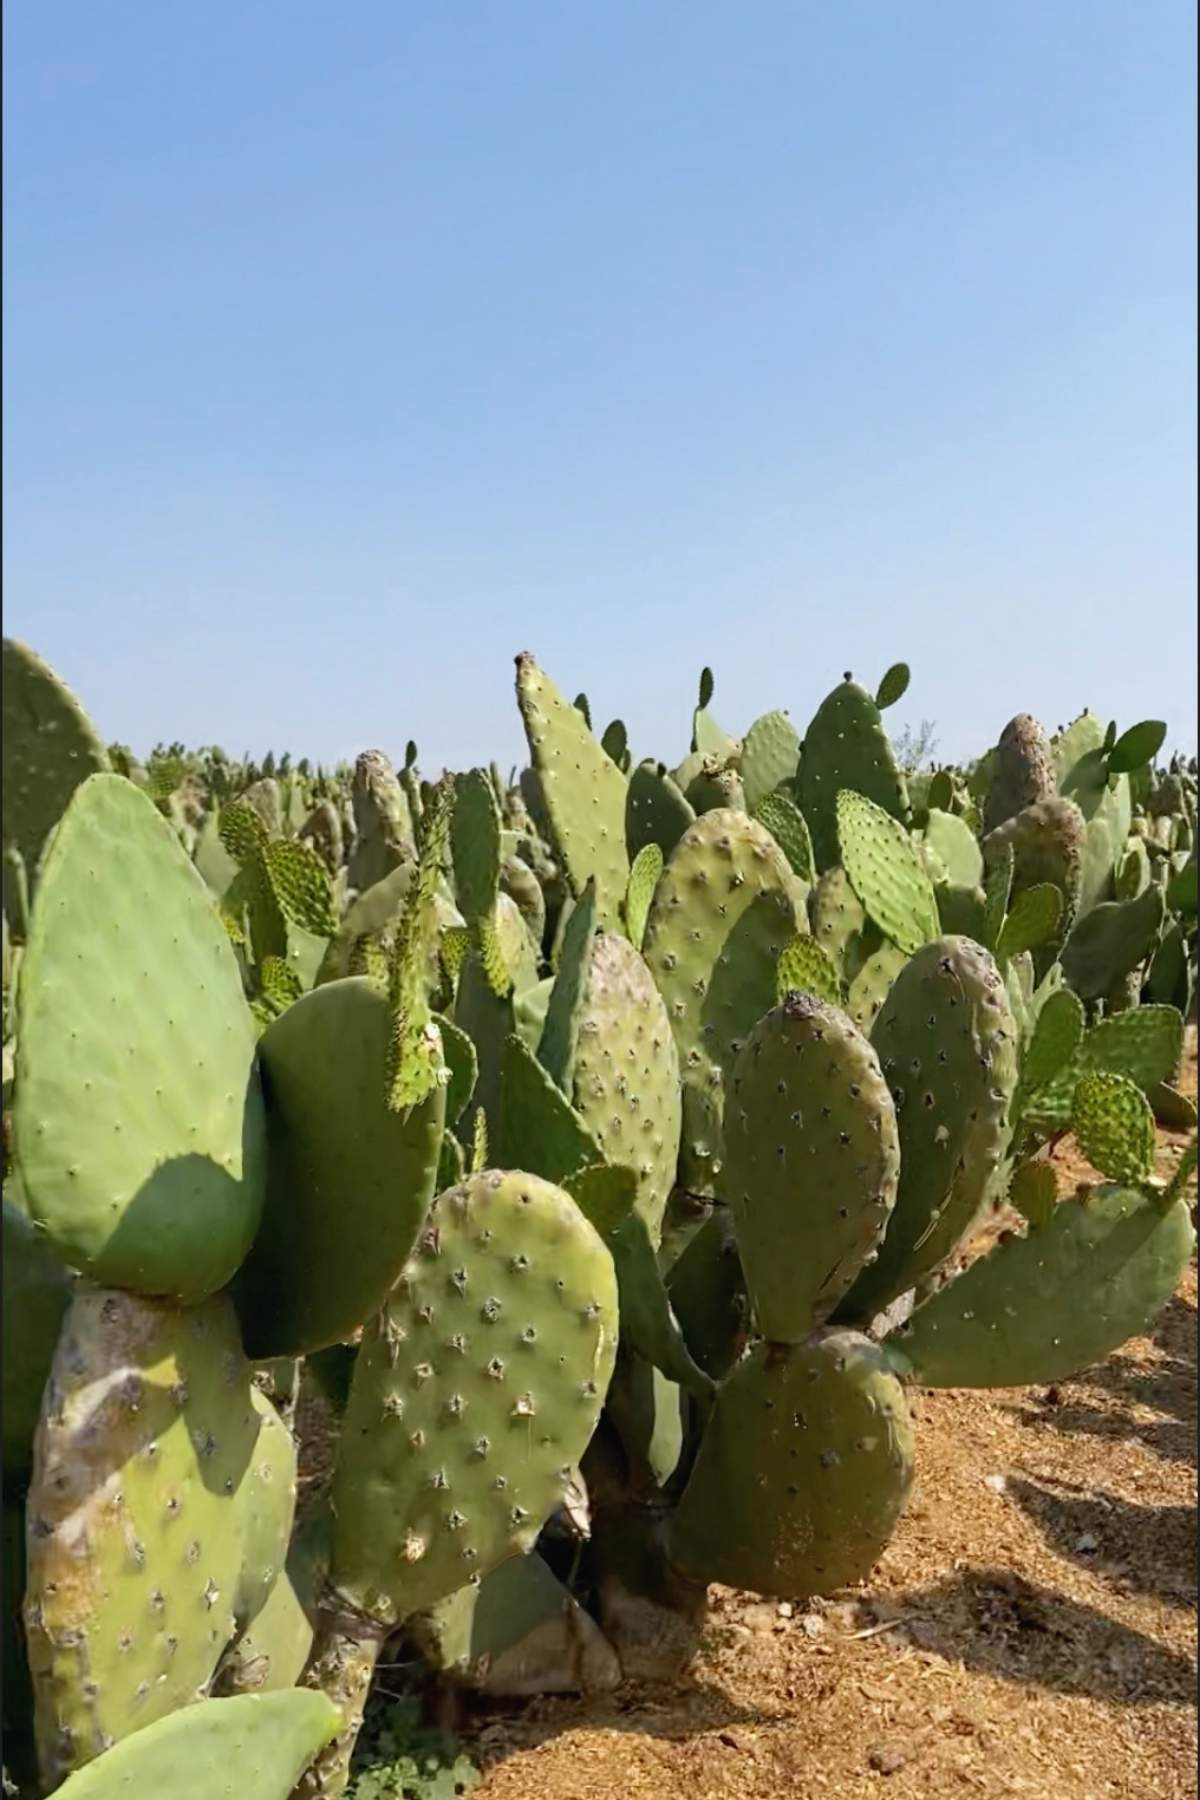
(350,351)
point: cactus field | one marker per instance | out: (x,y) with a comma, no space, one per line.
(588,1246)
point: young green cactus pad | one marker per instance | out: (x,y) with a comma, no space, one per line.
(348,1180)
(946,1042)
(872,984)
(519,1632)
(956,847)
(474,1395)
(787,825)
(1144,1043)
(626,1085)
(882,862)
(770,754)
(1022,773)
(644,874)
(723,911)
(49,748)
(1043,1306)
(560,1031)
(838,916)
(138,1116)
(1114,1127)
(584,791)
(846,746)
(805,968)
(37,1292)
(708,738)
(252,1747)
(146,1510)
(811,1162)
(802,1473)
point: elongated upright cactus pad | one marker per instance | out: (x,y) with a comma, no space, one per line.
(144,1507)
(1042,1307)
(802,1473)
(138,1114)
(37,1292)
(882,862)
(811,1162)
(50,747)
(723,911)
(626,1077)
(251,1747)
(584,791)
(349,1180)
(946,1042)
(846,746)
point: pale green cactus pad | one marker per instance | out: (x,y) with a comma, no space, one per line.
(886,872)
(138,1114)
(50,747)
(146,1511)
(251,1747)
(769,756)
(584,791)
(846,746)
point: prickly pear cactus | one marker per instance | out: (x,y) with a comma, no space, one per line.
(474,1394)
(349,1181)
(1022,772)
(37,1292)
(811,1162)
(1043,1306)
(625,1083)
(146,1509)
(138,1116)
(252,1747)
(50,747)
(584,791)
(846,746)
(656,811)
(802,1473)
(946,1041)
(886,873)
(769,756)
(723,911)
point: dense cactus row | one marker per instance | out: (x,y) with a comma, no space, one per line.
(607,1140)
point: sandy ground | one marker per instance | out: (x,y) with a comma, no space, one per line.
(1031,1629)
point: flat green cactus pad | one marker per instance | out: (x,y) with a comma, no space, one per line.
(1042,1307)
(50,747)
(474,1395)
(802,1473)
(138,1116)
(883,865)
(846,746)
(770,754)
(349,1180)
(140,1525)
(656,811)
(811,1162)
(252,1747)
(946,1041)
(723,912)
(37,1292)
(584,791)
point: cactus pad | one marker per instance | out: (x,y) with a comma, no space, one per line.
(806,969)
(787,825)
(139,1524)
(655,810)
(811,1162)
(883,865)
(802,1473)
(846,746)
(37,1292)
(1045,1306)
(475,1392)
(251,1747)
(49,748)
(946,1042)
(769,757)
(138,1115)
(584,791)
(722,914)
(1114,1127)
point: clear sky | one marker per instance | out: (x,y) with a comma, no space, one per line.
(351,349)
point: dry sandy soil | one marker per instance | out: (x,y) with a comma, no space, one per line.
(1031,1629)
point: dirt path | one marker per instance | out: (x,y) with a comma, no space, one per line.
(1031,1629)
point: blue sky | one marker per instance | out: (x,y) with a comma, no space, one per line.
(351,350)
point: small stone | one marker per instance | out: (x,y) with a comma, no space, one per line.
(886,1758)
(997,1483)
(1087,1544)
